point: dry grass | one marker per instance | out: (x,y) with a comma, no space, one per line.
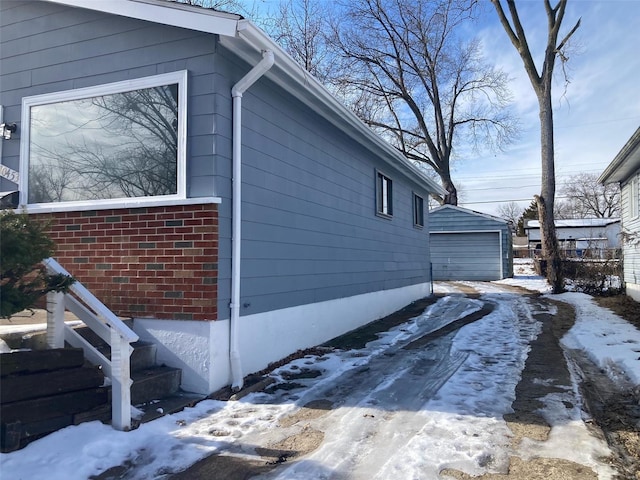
(623,306)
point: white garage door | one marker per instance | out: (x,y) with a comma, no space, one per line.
(466,256)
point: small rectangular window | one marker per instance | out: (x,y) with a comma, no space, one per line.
(634,198)
(384,195)
(418,211)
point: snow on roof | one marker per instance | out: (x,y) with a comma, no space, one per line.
(576,222)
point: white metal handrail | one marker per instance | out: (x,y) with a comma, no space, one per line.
(84,305)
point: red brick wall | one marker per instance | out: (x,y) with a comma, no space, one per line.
(159,262)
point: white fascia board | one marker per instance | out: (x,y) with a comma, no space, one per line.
(626,162)
(163,12)
(296,80)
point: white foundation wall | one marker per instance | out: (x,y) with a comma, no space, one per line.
(633,290)
(267,337)
(201,349)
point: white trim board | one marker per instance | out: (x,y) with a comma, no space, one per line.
(179,78)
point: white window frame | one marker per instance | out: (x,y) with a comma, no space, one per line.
(384,195)
(418,213)
(634,197)
(179,77)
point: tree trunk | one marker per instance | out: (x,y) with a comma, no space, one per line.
(546,199)
(542,86)
(451,198)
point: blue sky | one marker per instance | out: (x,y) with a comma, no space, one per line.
(594,116)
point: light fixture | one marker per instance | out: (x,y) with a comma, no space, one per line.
(8,129)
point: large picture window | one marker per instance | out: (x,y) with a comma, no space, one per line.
(101,144)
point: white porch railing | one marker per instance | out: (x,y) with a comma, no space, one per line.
(84,305)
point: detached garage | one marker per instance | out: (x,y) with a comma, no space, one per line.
(468,245)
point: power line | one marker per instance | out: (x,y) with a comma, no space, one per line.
(602,122)
(536,185)
(526,175)
(508,200)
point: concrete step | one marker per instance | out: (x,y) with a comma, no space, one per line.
(168,405)
(154,383)
(142,357)
(93,338)
(151,385)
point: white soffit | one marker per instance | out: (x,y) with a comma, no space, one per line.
(167,13)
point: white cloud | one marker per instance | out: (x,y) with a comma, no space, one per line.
(594,117)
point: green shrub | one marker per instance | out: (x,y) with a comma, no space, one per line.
(24,243)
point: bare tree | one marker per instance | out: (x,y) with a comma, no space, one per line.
(117,145)
(586,197)
(511,212)
(48,183)
(562,209)
(222,5)
(299,27)
(541,83)
(409,75)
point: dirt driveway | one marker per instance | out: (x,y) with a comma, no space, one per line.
(361,423)
(610,412)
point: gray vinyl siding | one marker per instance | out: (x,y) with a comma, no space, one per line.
(631,250)
(469,246)
(310,232)
(48,48)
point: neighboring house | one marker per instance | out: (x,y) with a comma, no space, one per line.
(199,181)
(580,237)
(468,245)
(625,170)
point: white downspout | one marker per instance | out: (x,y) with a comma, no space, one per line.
(237,376)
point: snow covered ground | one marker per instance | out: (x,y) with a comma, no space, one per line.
(397,411)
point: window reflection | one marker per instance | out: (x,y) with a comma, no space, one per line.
(105,147)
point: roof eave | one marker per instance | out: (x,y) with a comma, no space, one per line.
(625,162)
(472,212)
(163,12)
